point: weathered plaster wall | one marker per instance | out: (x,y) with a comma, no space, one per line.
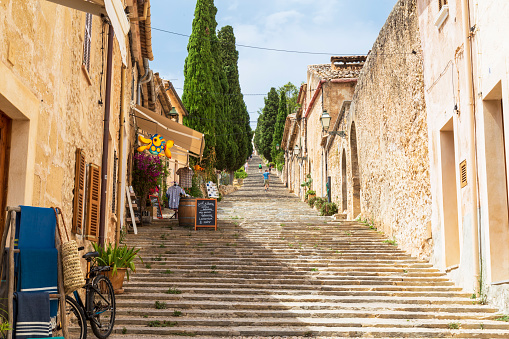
(334,93)
(391,127)
(41,44)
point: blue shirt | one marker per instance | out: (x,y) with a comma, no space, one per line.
(266,175)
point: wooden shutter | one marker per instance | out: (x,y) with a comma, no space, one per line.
(93,202)
(79,192)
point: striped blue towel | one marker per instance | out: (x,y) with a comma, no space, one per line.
(39,272)
(32,315)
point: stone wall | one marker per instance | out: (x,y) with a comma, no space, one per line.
(389,114)
(41,43)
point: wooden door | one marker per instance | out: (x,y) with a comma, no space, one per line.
(5,145)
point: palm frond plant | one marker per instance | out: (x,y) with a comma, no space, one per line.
(117,257)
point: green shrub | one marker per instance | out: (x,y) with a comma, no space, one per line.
(240,173)
(279,167)
(319,202)
(311,202)
(328,208)
(309,192)
(195,189)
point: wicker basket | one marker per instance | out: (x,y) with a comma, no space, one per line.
(71,266)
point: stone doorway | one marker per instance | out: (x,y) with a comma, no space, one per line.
(356,182)
(344,192)
(5,146)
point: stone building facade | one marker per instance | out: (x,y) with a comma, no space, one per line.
(53,101)
(387,137)
(466,67)
(53,93)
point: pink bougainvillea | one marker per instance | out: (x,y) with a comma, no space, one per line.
(147,170)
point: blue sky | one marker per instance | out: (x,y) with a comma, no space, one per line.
(333,27)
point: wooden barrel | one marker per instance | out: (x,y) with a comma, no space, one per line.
(187,211)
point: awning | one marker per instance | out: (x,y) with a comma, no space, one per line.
(186,140)
(113,9)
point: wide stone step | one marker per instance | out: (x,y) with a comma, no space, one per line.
(309,321)
(269,287)
(214,278)
(359,299)
(311,331)
(463,314)
(276,292)
(281,305)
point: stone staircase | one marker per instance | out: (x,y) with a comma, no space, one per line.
(276,269)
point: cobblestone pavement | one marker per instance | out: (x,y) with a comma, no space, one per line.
(275,268)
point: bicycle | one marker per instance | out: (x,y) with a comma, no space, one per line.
(99,307)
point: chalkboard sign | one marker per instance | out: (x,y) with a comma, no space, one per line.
(206,213)
(154,199)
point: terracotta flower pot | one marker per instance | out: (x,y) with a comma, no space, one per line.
(117,280)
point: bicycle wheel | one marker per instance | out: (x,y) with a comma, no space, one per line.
(102,301)
(75,318)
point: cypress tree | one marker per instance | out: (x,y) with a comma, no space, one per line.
(240,137)
(199,85)
(225,147)
(270,111)
(280,126)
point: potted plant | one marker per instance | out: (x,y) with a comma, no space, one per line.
(310,194)
(121,261)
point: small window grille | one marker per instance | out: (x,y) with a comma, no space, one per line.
(114,179)
(441,3)
(87,41)
(463,173)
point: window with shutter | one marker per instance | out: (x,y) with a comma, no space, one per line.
(87,41)
(93,202)
(79,192)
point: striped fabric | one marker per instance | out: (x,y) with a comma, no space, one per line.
(32,315)
(33,329)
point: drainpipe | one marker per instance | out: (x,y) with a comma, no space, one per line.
(120,187)
(146,77)
(467,43)
(106,135)
(152,86)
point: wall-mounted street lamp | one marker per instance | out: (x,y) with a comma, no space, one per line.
(173,113)
(296,150)
(325,120)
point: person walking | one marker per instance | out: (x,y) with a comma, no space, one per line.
(260,168)
(266,177)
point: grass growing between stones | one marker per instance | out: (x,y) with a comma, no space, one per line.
(157,323)
(504,317)
(160,305)
(453,326)
(173,290)
(391,242)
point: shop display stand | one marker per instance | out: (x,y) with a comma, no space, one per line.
(10,225)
